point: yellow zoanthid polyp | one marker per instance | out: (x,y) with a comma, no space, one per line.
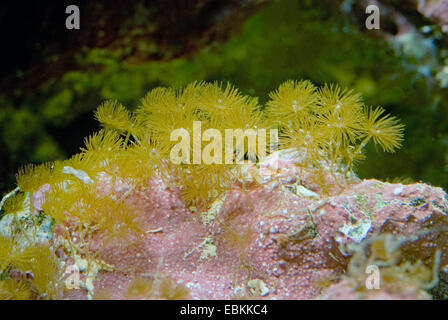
(38,260)
(12,289)
(15,204)
(161,287)
(293,100)
(385,131)
(113,115)
(31,177)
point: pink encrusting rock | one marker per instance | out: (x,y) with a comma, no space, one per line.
(281,238)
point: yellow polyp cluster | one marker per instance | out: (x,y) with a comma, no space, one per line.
(161,287)
(15,204)
(293,99)
(46,272)
(12,289)
(120,221)
(38,261)
(329,126)
(80,206)
(216,107)
(139,288)
(31,177)
(113,115)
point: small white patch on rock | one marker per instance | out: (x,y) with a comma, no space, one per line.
(257,286)
(209,216)
(208,251)
(357,231)
(306,193)
(398,190)
(84,177)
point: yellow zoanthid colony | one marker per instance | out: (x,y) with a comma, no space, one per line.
(328,126)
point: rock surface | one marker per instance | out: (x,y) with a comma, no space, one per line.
(281,239)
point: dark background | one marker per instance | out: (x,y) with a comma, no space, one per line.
(53,78)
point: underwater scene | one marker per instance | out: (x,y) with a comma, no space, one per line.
(224,150)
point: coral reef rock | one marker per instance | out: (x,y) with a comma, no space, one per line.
(282,238)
